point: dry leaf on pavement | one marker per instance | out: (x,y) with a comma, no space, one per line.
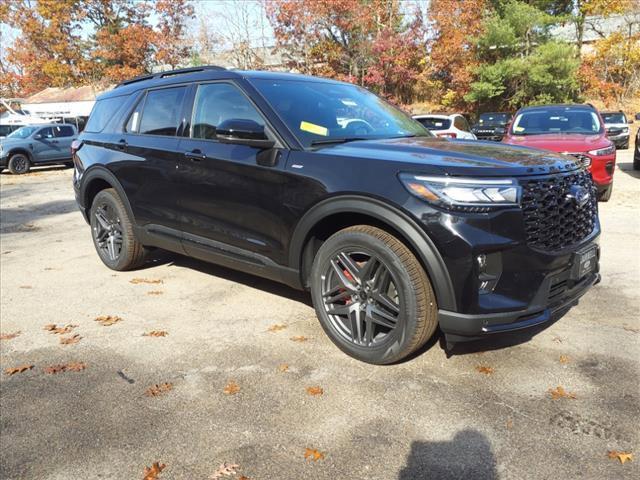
(9,336)
(300,338)
(564,359)
(560,392)
(137,281)
(69,367)
(26,287)
(53,328)
(314,391)
(19,369)
(155,333)
(283,367)
(158,389)
(70,340)
(155,292)
(485,369)
(631,329)
(151,473)
(108,320)
(275,327)
(313,454)
(225,470)
(622,456)
(232,388)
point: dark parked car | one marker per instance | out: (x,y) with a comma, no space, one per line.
(324,186)
(636,152)
(574,130)
(491,125)
(617,127)
(37,145)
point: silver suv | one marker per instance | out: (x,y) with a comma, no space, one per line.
(37,145)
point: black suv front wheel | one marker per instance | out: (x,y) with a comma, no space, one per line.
(372,296)
(112,232)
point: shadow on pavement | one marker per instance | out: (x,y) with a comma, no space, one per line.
(627,168)
(467,456)
(20,219)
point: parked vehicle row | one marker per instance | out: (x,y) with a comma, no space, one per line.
(447,126)
(617,127)
(37,145)
(324,186)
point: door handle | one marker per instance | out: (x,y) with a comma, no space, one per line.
(195,155)
(122,144)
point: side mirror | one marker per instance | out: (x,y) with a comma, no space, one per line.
(243,132)
(37,136)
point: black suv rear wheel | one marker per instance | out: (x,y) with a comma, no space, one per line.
(372,296)
(112,232)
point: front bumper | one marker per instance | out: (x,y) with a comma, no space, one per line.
(619,140)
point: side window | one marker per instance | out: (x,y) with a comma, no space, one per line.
(63,131)
(217,102)
(45,132)
(161,114)
(103,111)
(134,118)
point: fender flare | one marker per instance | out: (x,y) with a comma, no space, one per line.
(99,172)
(23,150)
(394,217)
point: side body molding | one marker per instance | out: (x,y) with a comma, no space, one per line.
(387,214)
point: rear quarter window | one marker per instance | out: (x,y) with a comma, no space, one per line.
(103,111)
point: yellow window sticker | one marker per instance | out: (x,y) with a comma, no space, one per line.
(518,129)
(313,128)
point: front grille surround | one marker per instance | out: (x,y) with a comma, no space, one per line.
(552,220)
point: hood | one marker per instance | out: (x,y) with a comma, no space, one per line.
(456,157)
(616,125)
(10,142)
(560,142)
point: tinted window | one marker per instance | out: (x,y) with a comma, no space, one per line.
(161,114)
(63,131)
(321,112)
(435,123)
(45,132)
(7,129)
(614,118)
(557,120)
(494,118)
(217,102)
(103,111)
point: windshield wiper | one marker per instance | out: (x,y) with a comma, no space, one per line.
(330,141)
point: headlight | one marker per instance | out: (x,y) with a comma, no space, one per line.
(470,194)
(611,149)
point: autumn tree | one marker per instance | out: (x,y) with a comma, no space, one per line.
(170,38)
(353,40)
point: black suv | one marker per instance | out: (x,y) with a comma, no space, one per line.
(491,125)
(324,186)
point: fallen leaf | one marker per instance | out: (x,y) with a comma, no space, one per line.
(300,338)
(276,327)
(631,329)
(70,340)
(283,367)
(560,392)
(509,424)
(27,287)
(226,470)
(232,388)
(108,320)
(242,477)
(314,391)
(485,369)
(20,369)
(622,456)
(137,281)
(158,389)
(557,339)
(564,359)
(151,473)
(53,328)
(313,454)
(9,336)
(69,367)
(155,333)
(155,292)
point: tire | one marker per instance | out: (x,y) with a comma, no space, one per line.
(363,276)
(112,232)
(606,194)
(68,164)
(19,164)
(636,162)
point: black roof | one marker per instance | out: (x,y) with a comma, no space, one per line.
(203,73)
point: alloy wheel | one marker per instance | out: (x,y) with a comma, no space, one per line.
(360,297)
(107,231)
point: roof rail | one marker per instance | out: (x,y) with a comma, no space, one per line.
(170,73)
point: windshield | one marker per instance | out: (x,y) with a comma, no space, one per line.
(22,132)
(557,120)
(614,117)
(323,112)
(494,118)
(435,123)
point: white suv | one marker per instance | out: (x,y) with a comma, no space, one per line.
(451,126)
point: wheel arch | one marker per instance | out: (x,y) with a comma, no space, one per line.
(97,179)
(19,150)
(332,215)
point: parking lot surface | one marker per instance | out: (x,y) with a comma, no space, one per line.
(254,381)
